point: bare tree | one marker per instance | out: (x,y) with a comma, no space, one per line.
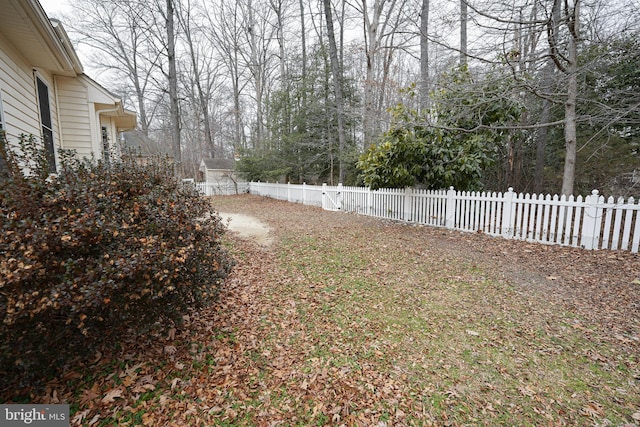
(424,56)
(116,33)
(337,86)
(303,44)
(464,17)
(203,73)
(381,20)
(566,59)
(225,32)
(173,87)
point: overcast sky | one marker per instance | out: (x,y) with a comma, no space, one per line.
(54,7)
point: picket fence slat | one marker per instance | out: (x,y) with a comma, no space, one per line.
(219,189)
(636,233)
(589,222)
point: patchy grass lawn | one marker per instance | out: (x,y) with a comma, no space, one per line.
(347,320)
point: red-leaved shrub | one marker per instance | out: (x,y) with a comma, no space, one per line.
(98,249)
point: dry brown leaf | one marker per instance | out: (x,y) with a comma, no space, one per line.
(89,395)
(94,420)
(148,419)
(127,381)
(112,395)
(593,409)
(527,391)
(80,416)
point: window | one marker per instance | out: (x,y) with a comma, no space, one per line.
(45,120)
(105,144)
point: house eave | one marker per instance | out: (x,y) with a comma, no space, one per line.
(26,26)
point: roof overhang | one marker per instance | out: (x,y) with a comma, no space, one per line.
(26,26)
(109,105)
(123,119)
(127,121)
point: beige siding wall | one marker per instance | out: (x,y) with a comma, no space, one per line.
(75,121)
(74,104)
(19,95)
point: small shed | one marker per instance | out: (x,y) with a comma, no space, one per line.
(217,171)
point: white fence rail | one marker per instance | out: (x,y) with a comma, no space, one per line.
(298,193)
(222,189)
(592,222)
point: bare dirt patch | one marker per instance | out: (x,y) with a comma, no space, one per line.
(248,227)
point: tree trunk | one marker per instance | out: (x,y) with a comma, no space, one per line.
(570,137)
(463,32)
(424,56)
(304,55)
(337,83)
(570,129)
(370,43)
(285,86)
(543,132)
(173,89)
(142,111)
(257,72)
(203,101)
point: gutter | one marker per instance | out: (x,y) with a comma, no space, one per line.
(45,27)
(66,44)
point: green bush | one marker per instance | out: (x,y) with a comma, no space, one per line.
(98,250)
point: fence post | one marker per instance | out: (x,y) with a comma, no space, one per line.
(304,193)
(408,194)
(588,237)
(450,209)
(339,197)
(507,214)
(324,196)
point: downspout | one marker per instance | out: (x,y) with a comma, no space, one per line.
(58,118)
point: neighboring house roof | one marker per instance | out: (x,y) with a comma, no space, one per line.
(145,146)
(217,164)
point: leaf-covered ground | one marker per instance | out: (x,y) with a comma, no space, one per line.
(349,320)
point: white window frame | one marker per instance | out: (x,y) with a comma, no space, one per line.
(53,152)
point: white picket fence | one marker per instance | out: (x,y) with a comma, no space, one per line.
(590,222)
(221,189)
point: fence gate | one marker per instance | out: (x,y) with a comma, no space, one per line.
(330,203)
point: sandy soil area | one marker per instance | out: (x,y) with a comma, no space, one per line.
(248,227)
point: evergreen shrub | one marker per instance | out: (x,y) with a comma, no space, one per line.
(97,250)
